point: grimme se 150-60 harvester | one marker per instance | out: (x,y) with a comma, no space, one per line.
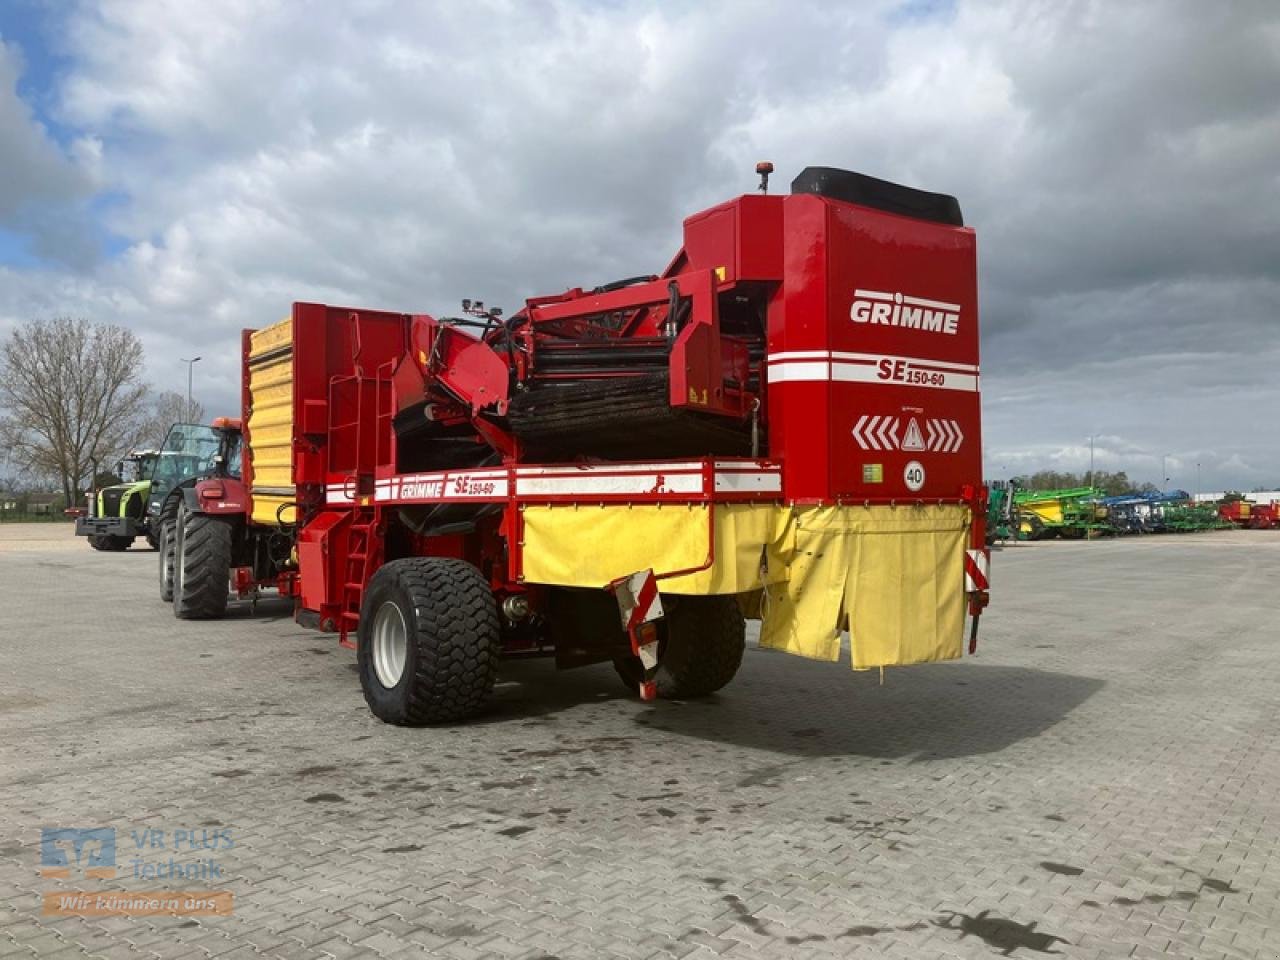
(783,424)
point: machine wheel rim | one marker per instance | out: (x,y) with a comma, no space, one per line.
(390,644)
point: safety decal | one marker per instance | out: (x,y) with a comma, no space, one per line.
(977,567)
(912,440)
(944,436)
(876,433)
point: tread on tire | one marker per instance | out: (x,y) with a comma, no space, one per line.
(452,640)
(201,567)
(701,651)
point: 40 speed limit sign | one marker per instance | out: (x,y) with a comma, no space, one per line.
(913,476)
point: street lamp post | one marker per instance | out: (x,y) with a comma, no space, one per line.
(190,364)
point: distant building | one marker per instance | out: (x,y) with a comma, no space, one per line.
(29,504)
(1261,496)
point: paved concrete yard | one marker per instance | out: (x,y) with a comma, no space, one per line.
(1103,779)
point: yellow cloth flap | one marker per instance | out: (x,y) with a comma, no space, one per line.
(894,574)
(905,592)
(581,546)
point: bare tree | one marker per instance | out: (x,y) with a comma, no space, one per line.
(72,397)
(167,408)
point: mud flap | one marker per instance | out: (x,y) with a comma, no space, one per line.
(641,607)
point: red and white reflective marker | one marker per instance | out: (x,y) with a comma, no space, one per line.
(641,605)
(977,570)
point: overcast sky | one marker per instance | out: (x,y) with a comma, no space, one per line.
(189,169)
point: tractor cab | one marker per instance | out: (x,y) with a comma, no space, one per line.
(193,451)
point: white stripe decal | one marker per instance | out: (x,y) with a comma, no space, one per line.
(939,380)
(753,482)
(586,481)
(800,355)
(872,358)
(875,358)
(801,370)
(588,485)
(587,469)
(871,367)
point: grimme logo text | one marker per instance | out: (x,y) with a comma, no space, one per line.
(900,310)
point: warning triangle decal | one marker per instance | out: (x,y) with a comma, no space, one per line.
(913,440)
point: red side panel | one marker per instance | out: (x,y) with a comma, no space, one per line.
(873,356)
(337,351)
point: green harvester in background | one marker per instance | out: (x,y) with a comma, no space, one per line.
(1072,513)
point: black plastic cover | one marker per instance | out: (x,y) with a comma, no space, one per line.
(879,194)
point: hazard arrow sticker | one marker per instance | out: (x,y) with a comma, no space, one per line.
(944,436)
(876,433)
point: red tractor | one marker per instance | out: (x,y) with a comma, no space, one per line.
(784,423)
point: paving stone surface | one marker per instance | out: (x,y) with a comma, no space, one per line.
(1102,780)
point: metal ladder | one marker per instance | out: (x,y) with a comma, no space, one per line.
(361,546)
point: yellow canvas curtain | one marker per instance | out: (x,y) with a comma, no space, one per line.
(895,575)
(588,546)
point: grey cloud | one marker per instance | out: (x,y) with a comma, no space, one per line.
(1118,161)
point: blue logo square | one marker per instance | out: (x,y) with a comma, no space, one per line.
(59,846)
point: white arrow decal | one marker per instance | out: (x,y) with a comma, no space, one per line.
(858,438)
(943,435)
(888,433)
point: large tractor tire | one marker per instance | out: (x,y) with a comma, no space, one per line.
(168,541)
(700,651)
(166,522)
(428,641)
(110,544)
(201,566)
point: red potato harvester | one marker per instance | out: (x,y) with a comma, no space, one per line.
(783,424)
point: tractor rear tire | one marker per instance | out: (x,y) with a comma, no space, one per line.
(428,641)
(167,523)
(97,542)
(700,652)
(168,537)
(201,567)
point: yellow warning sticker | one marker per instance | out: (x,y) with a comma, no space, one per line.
(873,473)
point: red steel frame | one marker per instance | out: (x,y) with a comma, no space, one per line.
(840,397)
